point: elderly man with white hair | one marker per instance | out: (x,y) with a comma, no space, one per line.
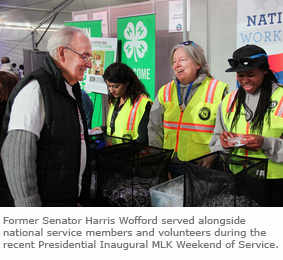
(44,136)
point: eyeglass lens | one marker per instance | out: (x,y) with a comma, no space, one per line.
(87,59)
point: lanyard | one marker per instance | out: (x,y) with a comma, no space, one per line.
(187,94)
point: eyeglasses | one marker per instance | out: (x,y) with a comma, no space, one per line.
(188,43)
(246,61)
(86,59)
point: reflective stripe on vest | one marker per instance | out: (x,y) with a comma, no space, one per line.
(209,94)
(188,126)
(211,90)
(183,126)
(133,113)
(279,110)
(178,125)
(247,132)
(167,92)
(231,99)
(128,119)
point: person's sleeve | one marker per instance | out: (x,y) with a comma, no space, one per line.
(215,144)
(273,148)
(28,112)
(155,124)
(19,153)
(142,129)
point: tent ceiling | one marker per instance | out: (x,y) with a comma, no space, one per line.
(32,13)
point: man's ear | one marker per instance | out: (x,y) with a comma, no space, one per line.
(61,53)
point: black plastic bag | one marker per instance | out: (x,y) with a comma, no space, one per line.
(126,171)
(232,181)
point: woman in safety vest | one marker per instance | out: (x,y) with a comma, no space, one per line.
(249,120)
(130,105)
(183,114)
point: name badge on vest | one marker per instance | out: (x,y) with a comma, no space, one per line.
(182,108)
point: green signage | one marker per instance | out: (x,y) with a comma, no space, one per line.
(137,37)
(91,28)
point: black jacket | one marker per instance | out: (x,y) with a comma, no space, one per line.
(59,146)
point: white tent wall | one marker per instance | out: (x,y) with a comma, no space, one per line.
(223,39)
(13,41)
(213,26)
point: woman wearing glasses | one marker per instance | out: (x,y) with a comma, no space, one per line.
(183,114)
(129,104)
(253,114)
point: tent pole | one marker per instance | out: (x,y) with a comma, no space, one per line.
(46,30)
(33,40)
(184,20)
(54,12)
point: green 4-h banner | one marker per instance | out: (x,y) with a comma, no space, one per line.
(92,29)
(137,37)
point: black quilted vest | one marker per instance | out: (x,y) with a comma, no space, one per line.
(59,146)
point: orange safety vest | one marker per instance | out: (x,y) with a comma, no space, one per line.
(189,132)
(274,170)
(128,119)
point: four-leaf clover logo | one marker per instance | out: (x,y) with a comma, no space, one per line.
(135,45)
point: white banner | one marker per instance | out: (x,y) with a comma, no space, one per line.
(104,53)
(261,23)
(80,17)
(104,22)
(176,16)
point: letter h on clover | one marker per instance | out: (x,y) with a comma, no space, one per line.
(135,45)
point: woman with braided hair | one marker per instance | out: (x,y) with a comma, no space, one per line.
(253,116)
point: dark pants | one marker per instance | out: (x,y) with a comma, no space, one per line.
(275,192)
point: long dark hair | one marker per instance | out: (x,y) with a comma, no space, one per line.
(119,72)
(263,105)
(7,82)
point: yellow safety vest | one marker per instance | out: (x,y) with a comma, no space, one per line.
(274,170)
(189,132)
(128,119)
